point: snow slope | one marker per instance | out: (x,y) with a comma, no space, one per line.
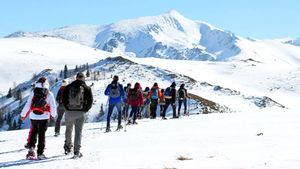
(212,141)
(22,57)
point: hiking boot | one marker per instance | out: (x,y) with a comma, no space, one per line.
(26,146)
(129,122)
(30,155)
(164,118)
(77,154)
(67,149)
(56,134)
(119,127)
(41,157)
(135,122)
(107,130)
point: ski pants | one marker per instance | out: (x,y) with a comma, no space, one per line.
(134,111)
(110,111)
(153,107)
(180,101)
(38,130)
(60,114)
(166,108)
(74,118)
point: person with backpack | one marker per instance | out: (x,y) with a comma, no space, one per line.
(126,106)
(77,100)
(162,101)
(60,108)
(170,97)
(135,99)
(40,107)
(182,98)
(154,96)
(117,96)
(146,106)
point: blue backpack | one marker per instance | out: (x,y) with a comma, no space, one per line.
(154,94)
(167,93)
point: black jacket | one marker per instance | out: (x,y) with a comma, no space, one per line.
(88,96)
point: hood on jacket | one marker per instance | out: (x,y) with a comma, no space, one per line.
(137,85)
(44,85)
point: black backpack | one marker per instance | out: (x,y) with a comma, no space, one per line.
(181,93)
(76,98)
(39,100)
(114,91)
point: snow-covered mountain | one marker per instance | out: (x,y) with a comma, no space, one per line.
(168,35)
(173,36)
(295,42)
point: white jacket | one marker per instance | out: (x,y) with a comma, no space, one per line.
(50,101)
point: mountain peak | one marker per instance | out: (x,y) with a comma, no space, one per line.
(174,13)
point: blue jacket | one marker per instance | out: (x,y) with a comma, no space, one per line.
(118,99)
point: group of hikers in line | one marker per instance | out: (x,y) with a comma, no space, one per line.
(76,98)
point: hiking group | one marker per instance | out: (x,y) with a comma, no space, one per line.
(75,99)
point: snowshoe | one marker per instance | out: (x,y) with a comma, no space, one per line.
(129,122)
(164,118)
(135,123)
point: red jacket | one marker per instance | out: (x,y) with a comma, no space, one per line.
(135,96)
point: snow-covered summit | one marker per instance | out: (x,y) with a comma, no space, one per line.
(169,35)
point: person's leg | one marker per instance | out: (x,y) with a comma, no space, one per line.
(33,134)
(134,110)
(155,103)
(119,108)
(79,122)
(60,114)
(110,110)
(29,134)
(179,106)
(42,128)
(174,110)
(185,105)
(165,110)
(69,120)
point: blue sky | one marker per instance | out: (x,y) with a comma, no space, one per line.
(251,18)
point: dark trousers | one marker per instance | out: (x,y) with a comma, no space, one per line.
(153,107)
(179,105)
(134,111)
(39,128)
(166,108)
(60,114)
(110,110)
(125,111)
(162,107)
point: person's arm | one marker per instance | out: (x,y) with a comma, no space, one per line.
(52,105)
(107,90)
(65,98)
(89,98)
(58,95)
(26,109)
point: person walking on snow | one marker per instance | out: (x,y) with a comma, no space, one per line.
(60,107)
(126,106)
(162,101)
(77,100)
(117,96)
(170,96)
(182,98)
(154,95)
(41,107)
(135,99)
